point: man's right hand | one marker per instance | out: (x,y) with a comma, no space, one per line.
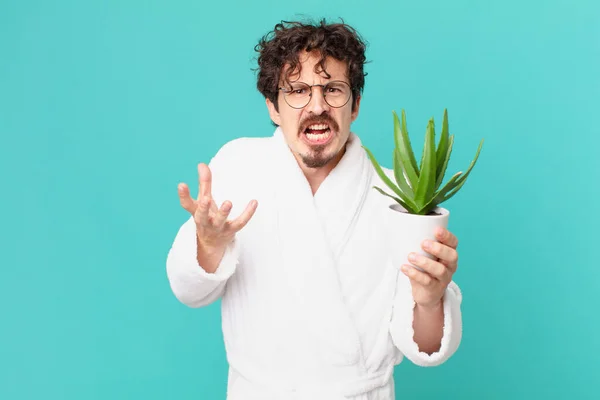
(213,230)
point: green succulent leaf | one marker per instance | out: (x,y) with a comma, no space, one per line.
(442,149)
(451,184)
(406,199)
(399,175)
(439,196)
(403,144)
(442,163)
(426,185)
(461,181)
(427,209)
(399,201)
(417,187)
(407,168)
(454,191)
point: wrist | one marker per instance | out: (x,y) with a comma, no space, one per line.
(431,307)
(203,246)
(208,256)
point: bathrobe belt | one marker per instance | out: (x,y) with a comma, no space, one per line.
(337,391)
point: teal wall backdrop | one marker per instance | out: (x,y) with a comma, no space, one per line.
(106,105)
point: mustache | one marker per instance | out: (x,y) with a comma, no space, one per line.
(319,119)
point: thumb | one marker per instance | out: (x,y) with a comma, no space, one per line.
(186,201)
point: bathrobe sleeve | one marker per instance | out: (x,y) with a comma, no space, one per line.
(190,283)
(401,326)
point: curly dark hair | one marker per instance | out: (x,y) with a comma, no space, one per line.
(283,46)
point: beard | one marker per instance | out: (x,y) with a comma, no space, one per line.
(317,157)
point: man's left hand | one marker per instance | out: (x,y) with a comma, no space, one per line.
(428,287)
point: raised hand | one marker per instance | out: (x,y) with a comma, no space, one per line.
(213,230)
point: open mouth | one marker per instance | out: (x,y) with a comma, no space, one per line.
(318,133)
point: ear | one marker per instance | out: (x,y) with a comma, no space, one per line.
(356,108)
(275,117)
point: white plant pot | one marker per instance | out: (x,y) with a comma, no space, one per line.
(408,231)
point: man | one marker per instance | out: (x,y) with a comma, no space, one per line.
(288,231)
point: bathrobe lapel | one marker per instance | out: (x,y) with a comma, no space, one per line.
(342,194)
(312,233)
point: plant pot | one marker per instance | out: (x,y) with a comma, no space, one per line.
(408,231)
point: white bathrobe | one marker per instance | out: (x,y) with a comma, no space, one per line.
(312,307)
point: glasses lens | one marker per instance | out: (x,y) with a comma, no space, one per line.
(297,95)
(337,93)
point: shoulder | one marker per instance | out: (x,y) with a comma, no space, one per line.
(243,150)
(239,167)
(389,173)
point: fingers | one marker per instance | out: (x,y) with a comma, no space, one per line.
(243,219)
(446,254)
(201,214)
(185,199)
(421,278)
(433,268)
(204,181)
(446,237)
(222,214)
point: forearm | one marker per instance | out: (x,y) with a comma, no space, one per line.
(189,280)
(427,338)
(428,326)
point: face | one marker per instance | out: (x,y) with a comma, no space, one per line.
(317,133)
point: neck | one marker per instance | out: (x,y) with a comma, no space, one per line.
(316,176)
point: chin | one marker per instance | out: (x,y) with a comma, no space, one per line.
(319,156)
(316,162)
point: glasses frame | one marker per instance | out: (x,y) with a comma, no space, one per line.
(285,91)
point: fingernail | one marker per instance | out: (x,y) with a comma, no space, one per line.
(427,244)
(412,257)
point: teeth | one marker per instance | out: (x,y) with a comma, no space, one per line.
(318,127)
(317,137)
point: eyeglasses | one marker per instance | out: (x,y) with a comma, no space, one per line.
(335,93)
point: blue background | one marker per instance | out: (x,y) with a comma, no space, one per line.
(106,106)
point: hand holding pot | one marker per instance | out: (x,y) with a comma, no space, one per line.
(429,285)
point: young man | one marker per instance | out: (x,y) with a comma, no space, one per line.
(288,231)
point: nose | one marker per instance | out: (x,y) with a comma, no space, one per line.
(317,104)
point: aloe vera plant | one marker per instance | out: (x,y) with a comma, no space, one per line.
(418,187)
